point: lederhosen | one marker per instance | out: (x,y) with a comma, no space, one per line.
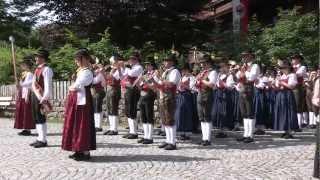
(113,96)
(246,99)
(204,100)
(98,96)
(131,98)
(37,115)
(300,96)
(168,102)
(146,103)
(23,113)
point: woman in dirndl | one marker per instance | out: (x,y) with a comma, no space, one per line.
(222,108)
(260,103)
(285,105)
(23,115)
(79,130)
(184,105)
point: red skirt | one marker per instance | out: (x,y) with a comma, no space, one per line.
(78,131)
(23,115)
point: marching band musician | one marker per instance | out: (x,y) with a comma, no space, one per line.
(285,105)
(206,81)
(113,79)
(222,108)
(184,104)
(23,115)
(146,102)
(247,75)
(98,94)
(132,93)
(299,91)
(167,85)
(42,92)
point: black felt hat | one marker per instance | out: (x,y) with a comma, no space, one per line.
(42,53)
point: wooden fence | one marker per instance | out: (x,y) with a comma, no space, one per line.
(59,90)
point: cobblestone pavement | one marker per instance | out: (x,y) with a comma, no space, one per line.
(116,158)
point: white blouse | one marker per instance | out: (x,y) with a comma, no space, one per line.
(26,85)
(84,78)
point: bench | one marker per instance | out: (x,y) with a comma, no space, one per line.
(6,104)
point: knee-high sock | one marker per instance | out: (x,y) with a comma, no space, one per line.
(42,132)
(115,122)
(305,117)
(132,126)
(166,128)
(311,118)
(208,129)
(145,131)
(97,120)
(317,118)
(150,131)
(204,133)
(245,127)
(110,117)
(299,115)
(251,125)
(173,134)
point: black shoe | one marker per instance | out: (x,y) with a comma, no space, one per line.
(107,132)
(260,132)
(298,130)
(82,157)
(221,135)
(288,136)
(248,140)
(126,136)
(25,133)
(163,145)
(132,136)
(75,155)
(170,147)
(40,144)
(127,127)
(304,125)
(241,139)
(162,133)
(34,143)
(141,140)
(196,131)
(206,143)
(113,133)
(98,129)
(201,142)
(312,126)
(283,135)
(147,141)
(184,137)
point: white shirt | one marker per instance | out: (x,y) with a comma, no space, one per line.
(301,70)
(99,79)
(213,77)
(26,85)
(253,73)
(193,81)
(262,83)
(174,75)
(84,78)
(292,79)
(135,71)
(230,82)
(116,74)
(47,74)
